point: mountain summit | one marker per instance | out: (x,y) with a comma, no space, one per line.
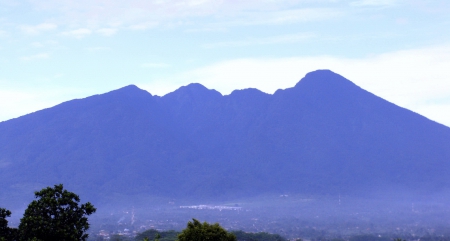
(325,135)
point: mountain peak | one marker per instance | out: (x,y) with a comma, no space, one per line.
(196,88)
(322,73)
(129,88)
(193,91)
(326,81)
(324,136)
(325,77)
(129,91)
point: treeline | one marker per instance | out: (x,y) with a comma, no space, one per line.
(172,235)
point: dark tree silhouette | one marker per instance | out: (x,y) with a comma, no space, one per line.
(56,215)
(6,233)
(196,231)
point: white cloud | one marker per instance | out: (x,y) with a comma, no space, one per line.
(418,79)
(37,29)
(35,57)
(19,100)
(282,39)
(14,103)
(77,33)
(286,16)
(140,15)
(107,31)
(144,25)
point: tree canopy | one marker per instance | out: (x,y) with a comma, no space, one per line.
(153,235)
(56,215)
(3,222)
(6,233)
(197,231)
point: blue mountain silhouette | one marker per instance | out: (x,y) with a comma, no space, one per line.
(325,135)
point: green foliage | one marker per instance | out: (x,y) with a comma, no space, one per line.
(152,235)
(55,215)
(155,235)
(196,231)
(262,236)
(4,230)
(117,237)
(6,233)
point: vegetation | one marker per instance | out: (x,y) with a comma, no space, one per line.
(6,233)
(54,215)
(196,231)
(172,235)
(152,234)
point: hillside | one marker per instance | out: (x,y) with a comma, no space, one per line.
(325,135)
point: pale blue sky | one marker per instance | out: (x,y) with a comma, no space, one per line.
(56,50)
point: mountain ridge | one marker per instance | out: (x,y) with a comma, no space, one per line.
(325,135)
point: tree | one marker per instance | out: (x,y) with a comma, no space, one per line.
(6,233)
(55,215)
(155,235)
(196,231)
(4,230)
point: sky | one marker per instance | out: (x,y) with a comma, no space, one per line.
(56,50)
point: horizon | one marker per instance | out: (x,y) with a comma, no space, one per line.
(55,51)
(226,94)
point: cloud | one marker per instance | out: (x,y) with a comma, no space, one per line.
(77,33)
(18,100)
(107,31)
(35,57)
(417,79)
(43,44)
(282,39)
(286,16)
(37,29)
(14,103)
(144,26)
(139,15)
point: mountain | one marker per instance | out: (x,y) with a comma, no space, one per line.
(323,136)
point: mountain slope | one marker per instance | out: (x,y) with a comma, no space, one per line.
(323,136)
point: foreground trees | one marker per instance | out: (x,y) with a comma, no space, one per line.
(6,233)
(196,231)
(54,215)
